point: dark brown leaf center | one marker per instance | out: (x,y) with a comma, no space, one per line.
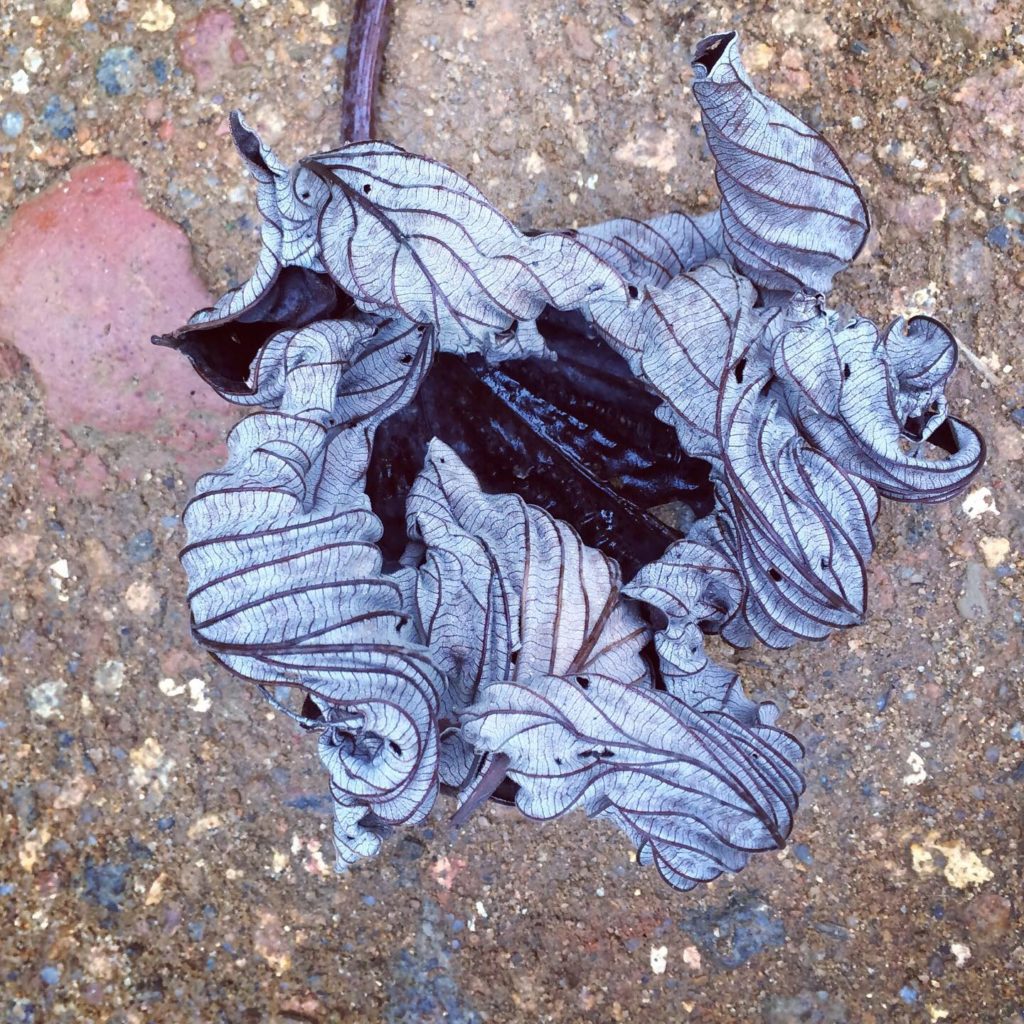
(576,436)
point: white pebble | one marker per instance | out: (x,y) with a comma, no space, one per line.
(659,959)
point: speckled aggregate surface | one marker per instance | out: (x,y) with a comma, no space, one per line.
(164,853)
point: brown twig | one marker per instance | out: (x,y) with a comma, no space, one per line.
(368,35)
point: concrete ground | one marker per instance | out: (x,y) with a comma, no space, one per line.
(165,854)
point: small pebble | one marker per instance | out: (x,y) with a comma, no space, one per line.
(50,975)
(908,994)
(32,61)
(13,124)
(44,699)
(109,677)
(118,70)
(999,237)
(802,852)
(59,117)
(141,547)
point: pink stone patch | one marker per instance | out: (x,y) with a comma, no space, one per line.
(209,49)
(87,275)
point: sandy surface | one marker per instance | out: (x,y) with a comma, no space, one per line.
(165,854)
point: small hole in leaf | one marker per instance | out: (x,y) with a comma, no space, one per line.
(740,367)
(366,189)
(303,195)
(634,292)
(583,681)
(395,748)
(558,761)
(406,359)
(775,574)
(846,371)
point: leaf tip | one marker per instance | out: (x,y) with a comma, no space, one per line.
(249,144)
(710,51)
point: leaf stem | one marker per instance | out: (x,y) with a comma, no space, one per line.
(485,786)
(368,35)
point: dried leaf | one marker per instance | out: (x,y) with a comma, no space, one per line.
(554,601)
(791,214)
(576,435)
(698,591)
(653,252)
(406,236)
(696,792)
(666,398)
(797,526)
(286,587)
(506,591)
(872,402)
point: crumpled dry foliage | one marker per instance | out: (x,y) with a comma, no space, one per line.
(501,645)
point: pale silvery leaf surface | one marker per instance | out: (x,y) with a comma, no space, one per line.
(554,601)
(404,235)
(872,400)
(683,339)
(792,215)
(507,592)
(286,587)
(655,251)
(289,286)
(388,289)
(465,619)
(698,590)
(398,235)
(697,792)
(290,202)
(346,371)
(465,605)
(800,526)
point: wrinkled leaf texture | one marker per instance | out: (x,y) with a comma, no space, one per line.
(497,637)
